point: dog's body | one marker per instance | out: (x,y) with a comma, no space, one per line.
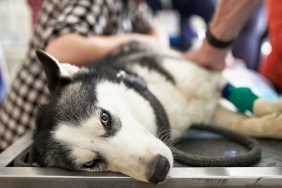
(97,121)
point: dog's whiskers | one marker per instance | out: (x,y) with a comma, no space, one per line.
(165,136)
(163,133)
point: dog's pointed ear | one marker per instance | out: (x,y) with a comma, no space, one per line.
(57,74)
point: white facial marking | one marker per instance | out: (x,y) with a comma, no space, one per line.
(126,103)
(132,149)
(81,140)
(138,145)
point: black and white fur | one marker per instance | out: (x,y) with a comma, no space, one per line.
(95,121)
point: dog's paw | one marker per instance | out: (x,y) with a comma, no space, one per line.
(263,107)
(272,125)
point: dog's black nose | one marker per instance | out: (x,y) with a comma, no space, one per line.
(160,169)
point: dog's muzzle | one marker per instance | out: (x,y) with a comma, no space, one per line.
(160,169)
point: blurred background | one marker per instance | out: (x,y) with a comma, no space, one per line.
(184,20)
(15,32)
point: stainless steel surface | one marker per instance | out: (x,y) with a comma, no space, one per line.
(15,149)
(178,176)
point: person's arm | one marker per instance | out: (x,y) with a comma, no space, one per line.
(79,50)
(226,24)
(73,42)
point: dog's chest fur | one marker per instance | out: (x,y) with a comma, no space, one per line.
(190,98)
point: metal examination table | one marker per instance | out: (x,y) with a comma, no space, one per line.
(268,172)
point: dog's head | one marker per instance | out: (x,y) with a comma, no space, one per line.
(95,123)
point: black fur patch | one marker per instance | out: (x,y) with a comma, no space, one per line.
(130,53)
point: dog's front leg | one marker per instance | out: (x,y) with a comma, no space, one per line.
(269,125)
(263,107)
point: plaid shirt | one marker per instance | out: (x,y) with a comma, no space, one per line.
(84,17)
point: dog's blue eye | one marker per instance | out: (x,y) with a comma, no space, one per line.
(106,119)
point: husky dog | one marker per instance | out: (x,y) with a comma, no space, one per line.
(100,118)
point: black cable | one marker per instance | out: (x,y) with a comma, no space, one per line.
(251,157)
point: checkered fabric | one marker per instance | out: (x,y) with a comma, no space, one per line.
(84,17)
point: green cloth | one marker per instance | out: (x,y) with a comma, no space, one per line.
(242,97)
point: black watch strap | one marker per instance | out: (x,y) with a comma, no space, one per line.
(212,40)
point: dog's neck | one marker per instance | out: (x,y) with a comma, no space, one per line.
(140,86)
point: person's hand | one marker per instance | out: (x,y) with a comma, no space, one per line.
(208,57)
